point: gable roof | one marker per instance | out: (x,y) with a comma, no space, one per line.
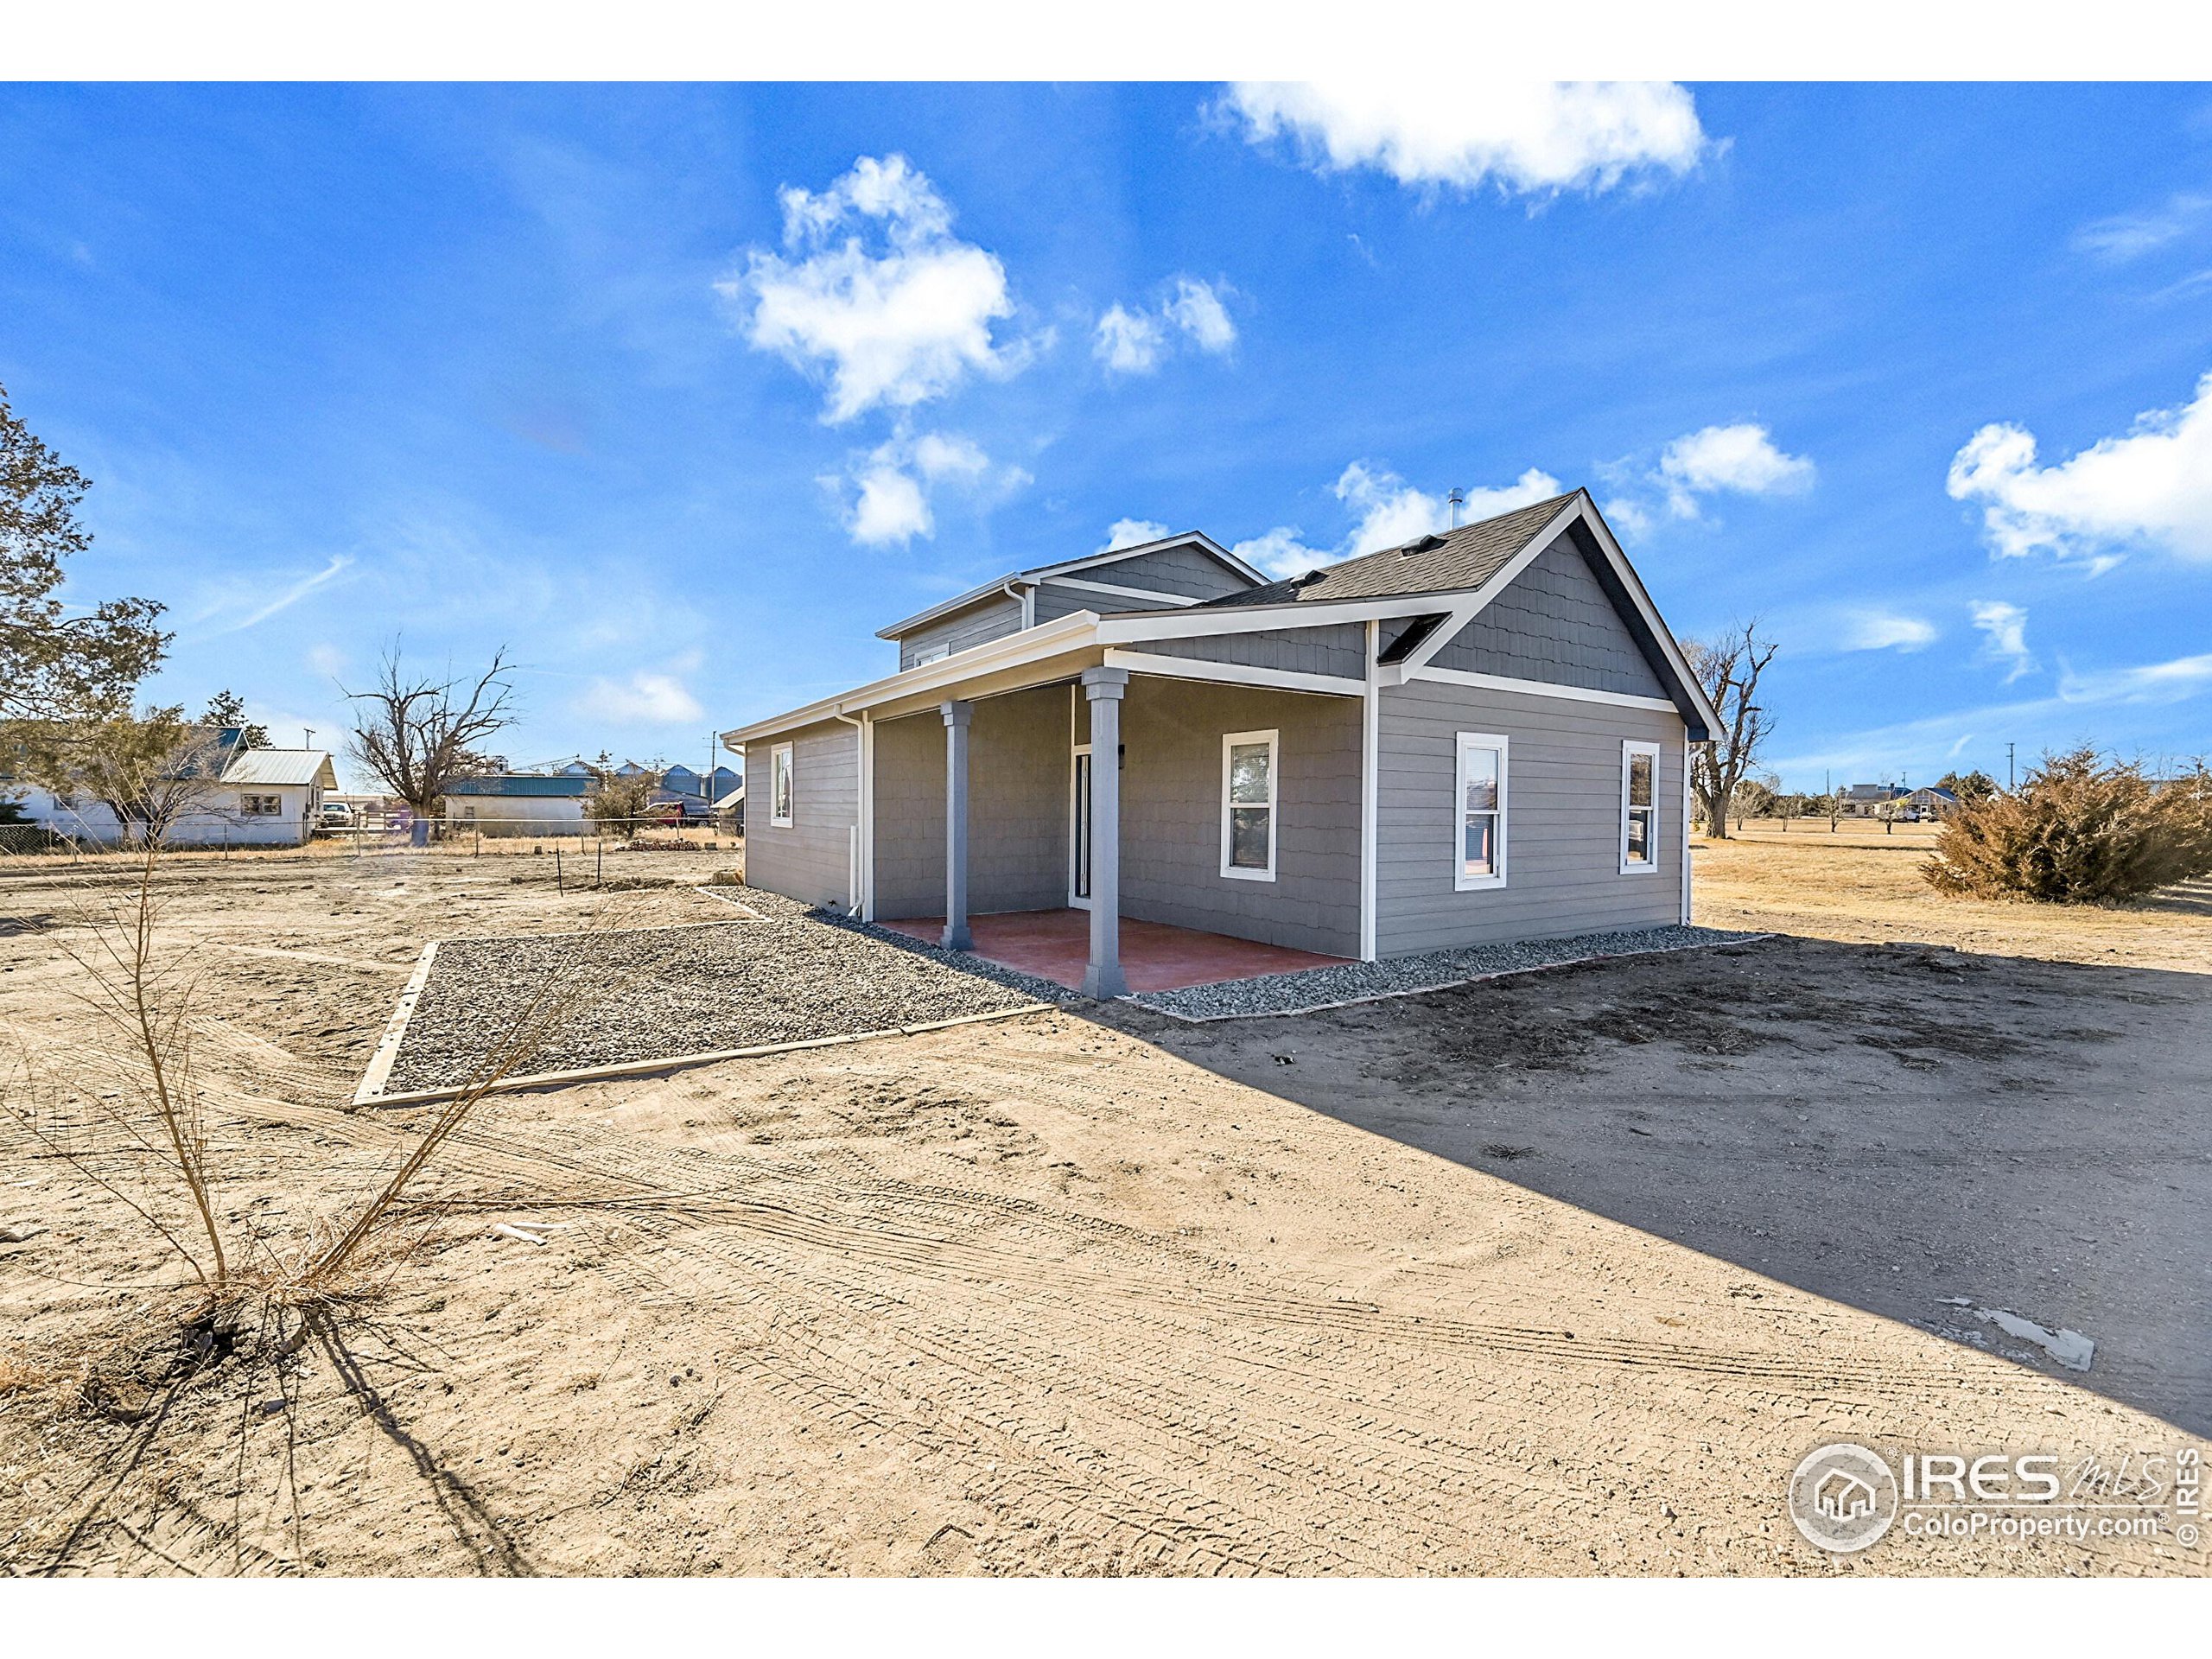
(276,768)
(1466,557)
(1036,573)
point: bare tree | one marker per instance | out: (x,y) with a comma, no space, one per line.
(417,733)
(1729,669)
(155,773)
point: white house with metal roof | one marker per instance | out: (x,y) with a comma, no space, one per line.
(260,797)
(1476,737)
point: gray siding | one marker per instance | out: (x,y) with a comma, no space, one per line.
(1054,601)
(1555,623)
(1339,648)
(1170,814)
(1020,786)
(979,624)
(811,860)
(1562,830)
(1183,570)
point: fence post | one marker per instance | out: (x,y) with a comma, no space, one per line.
(558,884)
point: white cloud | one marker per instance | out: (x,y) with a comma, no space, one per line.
(1128,342)
(1885,630)
(893,485)
(1741,459)
(2130,236)
(2152,487)
(262,608)
(1132,532)
(644,699)
(1197,309)
(1390,511)
(873,288)
(2184,677)
(1443,129)
(1280,552)
(2006,628)
(891,508)
(1136,342)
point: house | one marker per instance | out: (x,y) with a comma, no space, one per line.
(518,804)
(1476,737)
(1933,801)
(256,798)
(1864,800)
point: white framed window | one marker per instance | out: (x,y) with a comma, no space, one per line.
(1478,858)
(780,786)
(261,806)
(1639,808)
(933,654)
(1248,805)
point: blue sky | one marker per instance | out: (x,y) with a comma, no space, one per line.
(1913,374)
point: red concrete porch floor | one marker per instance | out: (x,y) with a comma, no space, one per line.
(1055,944)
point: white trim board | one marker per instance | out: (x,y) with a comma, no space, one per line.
(1195,668)
(1174,602)
(1532,688)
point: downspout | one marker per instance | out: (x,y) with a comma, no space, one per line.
(860,861)
(1026,598)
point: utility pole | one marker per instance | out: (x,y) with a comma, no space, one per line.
(2009,781)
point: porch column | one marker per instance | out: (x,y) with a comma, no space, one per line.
(1102,977)
(957,716)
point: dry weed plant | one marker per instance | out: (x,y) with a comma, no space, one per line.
(126,1111)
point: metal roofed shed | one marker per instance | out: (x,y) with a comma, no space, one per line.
(517,804)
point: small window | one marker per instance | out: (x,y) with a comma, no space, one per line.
(261,806)
(1480,826)
(780,786)
(1639,807)
(1248,805)
(933,654)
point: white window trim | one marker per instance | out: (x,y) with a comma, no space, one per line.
(933,654)
(1461,881)
(780,755)
(1230,742)
(1631,748)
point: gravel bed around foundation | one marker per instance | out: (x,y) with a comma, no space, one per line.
(787,975)
(1366,981)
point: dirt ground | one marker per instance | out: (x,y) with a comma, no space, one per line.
(1477,1282)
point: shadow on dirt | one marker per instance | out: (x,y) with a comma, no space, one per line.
(1932,1136)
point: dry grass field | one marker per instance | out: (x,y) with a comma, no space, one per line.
(1366,1292)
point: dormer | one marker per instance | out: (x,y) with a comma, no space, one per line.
(1169,573)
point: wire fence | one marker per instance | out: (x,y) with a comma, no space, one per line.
(578,843)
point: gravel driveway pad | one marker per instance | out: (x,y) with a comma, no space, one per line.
(669,993)
(1313,988)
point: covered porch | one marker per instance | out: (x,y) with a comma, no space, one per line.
(1055,944)
(1223,839)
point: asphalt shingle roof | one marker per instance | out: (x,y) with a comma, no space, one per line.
(1466,557)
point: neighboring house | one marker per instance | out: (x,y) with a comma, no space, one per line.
(1864,800)
(518,804)
(1931,802)
(730,809)
(259,798)
(1476,737)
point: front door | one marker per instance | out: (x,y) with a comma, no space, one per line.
(1079,832)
